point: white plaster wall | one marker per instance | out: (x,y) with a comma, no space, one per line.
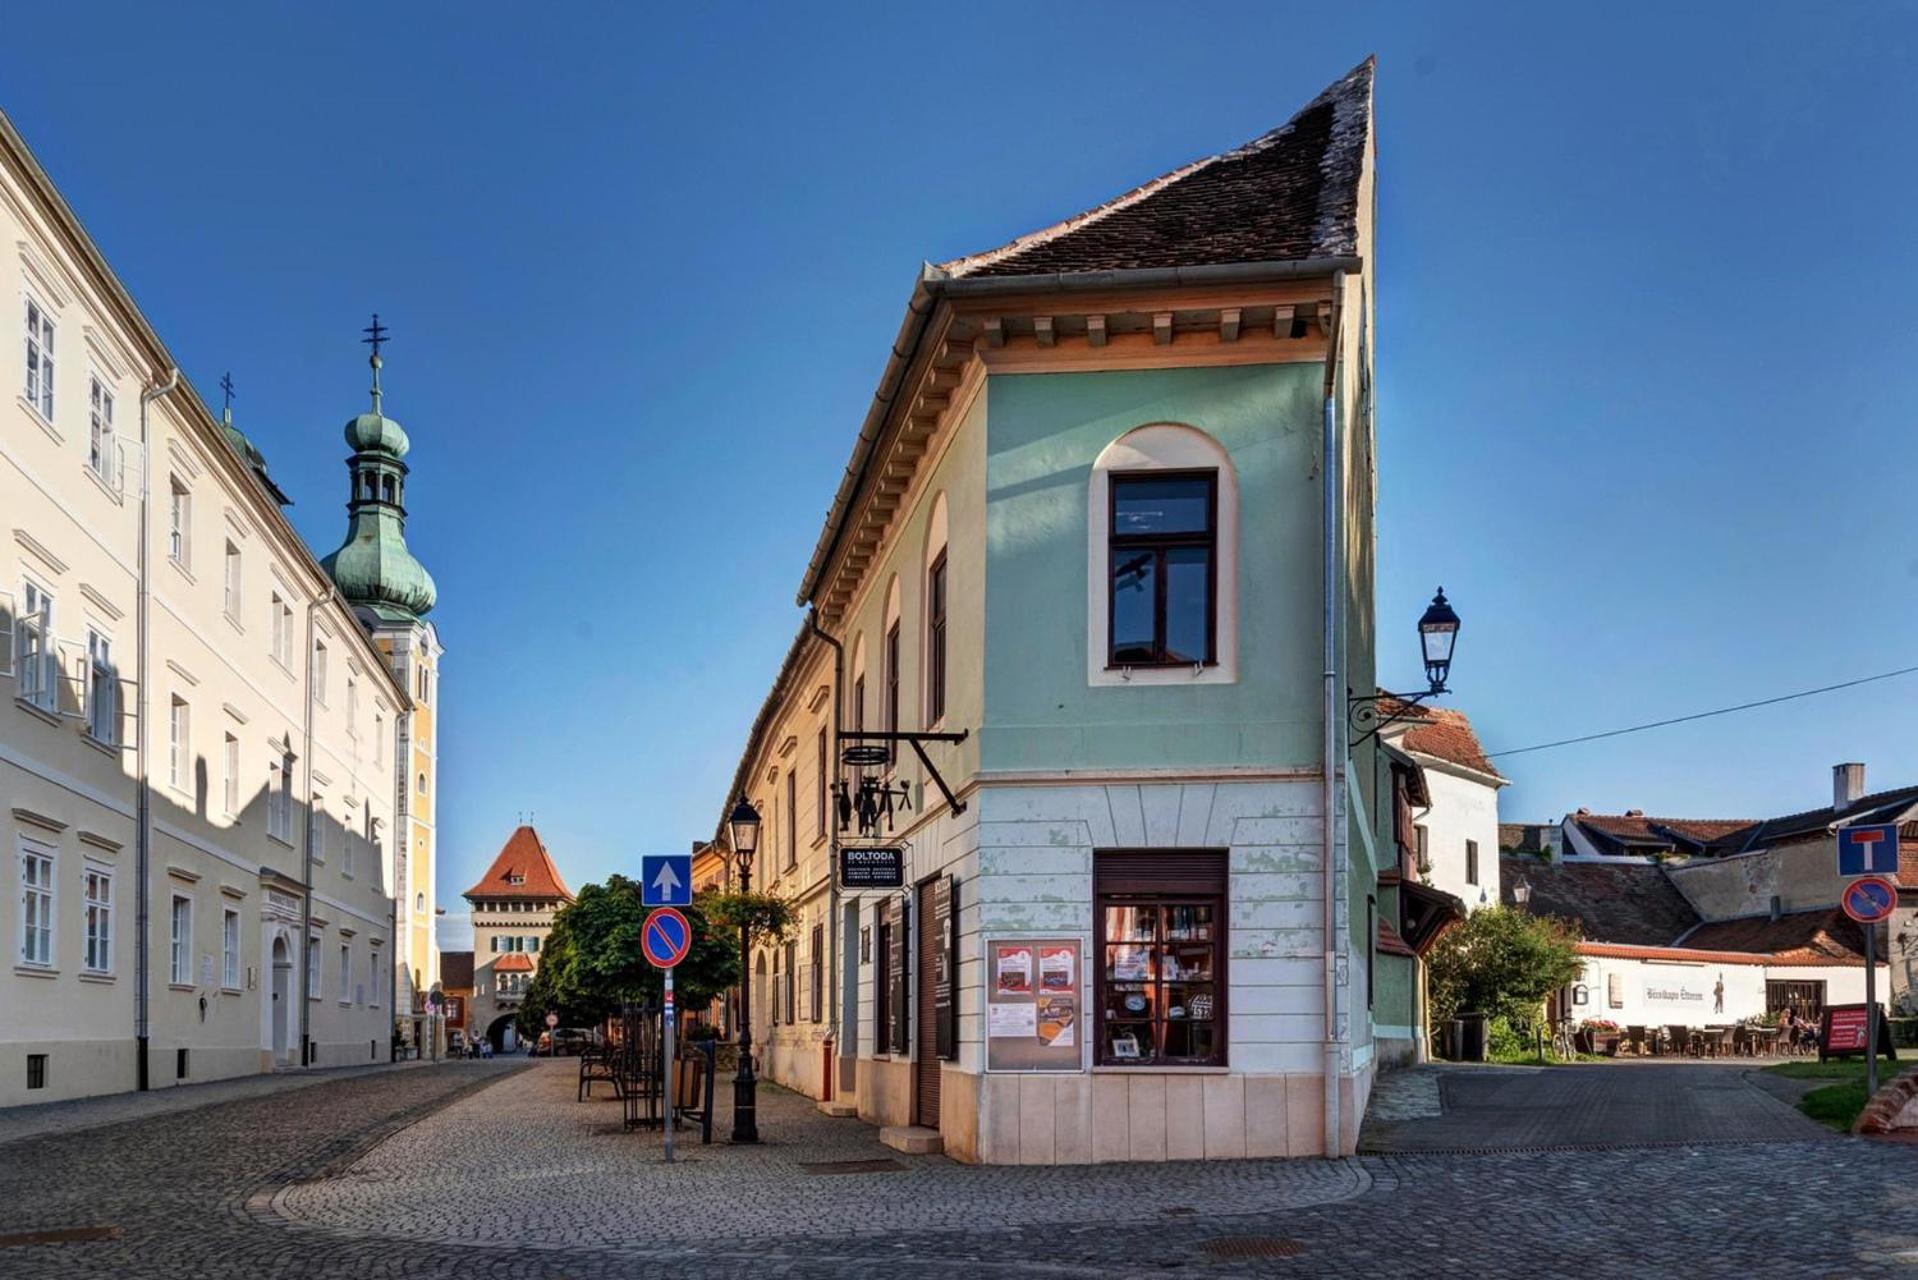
(1462,809)
(1673,993)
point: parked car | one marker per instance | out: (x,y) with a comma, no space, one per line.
(566,1042)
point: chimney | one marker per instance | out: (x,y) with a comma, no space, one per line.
(1847,784)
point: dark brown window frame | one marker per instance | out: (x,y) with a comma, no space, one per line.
(816,973)
(1171,896)
(792,819)
(890,656)
(882,982)
(821,799)
(1159,543)
(1471,863)
(936,587)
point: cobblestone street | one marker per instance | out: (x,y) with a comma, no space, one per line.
(364,1176)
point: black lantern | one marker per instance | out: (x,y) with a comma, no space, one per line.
(744,824)
(1522,892)
(1438,632)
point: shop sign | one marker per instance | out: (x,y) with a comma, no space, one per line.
(1035,1005)
(868,868)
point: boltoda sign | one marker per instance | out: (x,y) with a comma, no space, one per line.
(872,868)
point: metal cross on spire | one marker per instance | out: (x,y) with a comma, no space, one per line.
(375,335)
(226,389)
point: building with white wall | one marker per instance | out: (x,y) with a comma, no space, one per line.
(197,740)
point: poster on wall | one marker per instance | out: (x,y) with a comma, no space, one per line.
(1034,1005)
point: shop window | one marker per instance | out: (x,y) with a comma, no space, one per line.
(1161,963)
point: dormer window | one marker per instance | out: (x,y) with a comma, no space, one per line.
(515,878)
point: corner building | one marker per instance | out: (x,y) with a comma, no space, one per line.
(197,738)
(1111,518)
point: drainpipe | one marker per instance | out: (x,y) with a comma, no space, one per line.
(143,803)
(832,860)
(306,845)
(1329,795)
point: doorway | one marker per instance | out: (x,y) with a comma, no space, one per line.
(282,1000)
(925,1094)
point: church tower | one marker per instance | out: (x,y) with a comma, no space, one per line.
(391,592)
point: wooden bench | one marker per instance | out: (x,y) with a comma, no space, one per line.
(693,1086)
(595,1065)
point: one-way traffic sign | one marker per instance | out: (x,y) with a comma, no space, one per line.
(666,879)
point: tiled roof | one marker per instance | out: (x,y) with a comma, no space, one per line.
(1880,806)
(1625,902)
(523,869)
(1390,942)
(513,963)
(1439,732)
(456,970)
(1633,831)
(1523,837)
(1290,195)
(1823,936)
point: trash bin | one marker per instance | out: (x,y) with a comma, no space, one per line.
(1471,1037)
(1448,1039)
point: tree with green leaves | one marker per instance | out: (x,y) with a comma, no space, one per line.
(1501,962)
(592,962)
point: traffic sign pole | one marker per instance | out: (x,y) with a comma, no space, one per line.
(665,938)
(669,1090)
(1871,1016)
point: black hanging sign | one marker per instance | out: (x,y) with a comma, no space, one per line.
(863,868)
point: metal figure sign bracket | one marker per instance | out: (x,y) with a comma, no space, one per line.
(869,800)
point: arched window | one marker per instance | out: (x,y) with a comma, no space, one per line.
(1162,525)
(389,490)
(936,597)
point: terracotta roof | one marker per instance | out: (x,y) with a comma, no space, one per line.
(1633,831)
(456,970)
(513,963)
(1824,936)
(523,869)
(1289,195)
(1619,902)
(1523,837)
(1390,942)
(1439,732)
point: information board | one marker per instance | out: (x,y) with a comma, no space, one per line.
(1843,1033)
(872,868)
(1035,1004)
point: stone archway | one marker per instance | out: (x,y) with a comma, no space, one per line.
(501,1033)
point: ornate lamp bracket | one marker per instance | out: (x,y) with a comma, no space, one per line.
(1362,710)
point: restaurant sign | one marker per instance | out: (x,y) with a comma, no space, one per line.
(1843,1034)
(871,868)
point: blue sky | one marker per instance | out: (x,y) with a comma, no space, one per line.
(1649,300)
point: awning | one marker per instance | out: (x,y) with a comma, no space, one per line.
(1425,914)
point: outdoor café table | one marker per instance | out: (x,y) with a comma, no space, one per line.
(1635,1036)
(1711,1041)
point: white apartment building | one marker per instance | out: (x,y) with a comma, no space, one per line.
(197,739)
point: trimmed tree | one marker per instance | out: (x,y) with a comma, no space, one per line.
(592,962)
(1501,962)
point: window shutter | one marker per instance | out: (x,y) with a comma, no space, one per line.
(901,995)
(1162,871)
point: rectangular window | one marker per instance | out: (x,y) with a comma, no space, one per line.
(36,904)
(39,682)
(858,723)
(379,739)
(179,530)
(103,451)
(792,975)
(882,982)
(230,582)
(279,799)
(36,1071)
(936,641)
(230,949)
(179,743)
(352,706)
(346,973)
(313,967)
(98,883)
(1615,990)
(792,820)
(230,785)
(40,359)
(1163,571)
(373,979)
(892,689)
(1160,958)
(282,621)
(180,941)
(1471,862)
(1424,854)
(822,795)
(816,972)
(316,827)
(103,690)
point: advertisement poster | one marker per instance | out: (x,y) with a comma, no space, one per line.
(1013,967)
(1033,1005)
(1056,969)
(1130,964)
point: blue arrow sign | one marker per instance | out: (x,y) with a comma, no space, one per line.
(666,937)
(1868,850)
(666,879)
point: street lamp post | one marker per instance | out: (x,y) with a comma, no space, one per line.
(744,822)
(1438,635)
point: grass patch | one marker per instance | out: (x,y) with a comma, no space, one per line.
(1836,1069)
(1836,1105)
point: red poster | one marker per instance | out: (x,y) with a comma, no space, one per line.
(1845,1028)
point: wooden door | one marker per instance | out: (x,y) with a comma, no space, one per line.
(926,1037)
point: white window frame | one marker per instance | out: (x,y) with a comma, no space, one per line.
(938,538)
(373,977)
(102,689)
(233,582)
(179,741)
(346,973)
(230,783)
(282,638)
(96,888)
(39,374)
(379,736)
(1161,446)
(229,949)
(279,797)
(319,671)
(314,969)
(352,705)
(103,445)
(39,903)
(316,827)
(180,941)
(35,659)
(179,522)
